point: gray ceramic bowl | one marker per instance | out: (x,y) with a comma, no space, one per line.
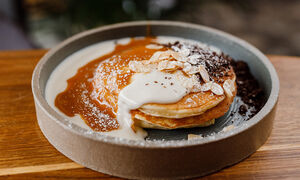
(157,159)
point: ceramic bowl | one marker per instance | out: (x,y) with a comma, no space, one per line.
(174,157)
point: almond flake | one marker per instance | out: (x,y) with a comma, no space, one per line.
(206,86)
(187,82)
(216,89)
(187,67)
(141,66)
(185,51)
(193,59)
(194,136)
(228,86)
(165,55)
(228,128)
(155,57)
(197,87)
(204,73)
(178,56)
(169,65)
(153,46)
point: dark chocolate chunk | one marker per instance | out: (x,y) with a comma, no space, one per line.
(248,88)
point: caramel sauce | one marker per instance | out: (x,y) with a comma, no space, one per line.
(98,110)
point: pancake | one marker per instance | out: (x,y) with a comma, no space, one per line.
(192,104)
(197,108)
(205,119)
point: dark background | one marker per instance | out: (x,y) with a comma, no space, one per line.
(272,26)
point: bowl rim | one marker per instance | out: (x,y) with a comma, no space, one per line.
(41,101)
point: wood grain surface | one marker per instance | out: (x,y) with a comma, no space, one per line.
(26,154)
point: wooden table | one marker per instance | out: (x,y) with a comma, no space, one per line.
(26,154)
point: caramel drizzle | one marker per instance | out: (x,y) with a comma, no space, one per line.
(77,98)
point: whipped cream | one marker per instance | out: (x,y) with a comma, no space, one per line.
(154,87)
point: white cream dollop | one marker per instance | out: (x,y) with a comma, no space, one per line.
(154,87)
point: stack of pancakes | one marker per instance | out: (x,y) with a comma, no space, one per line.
(196,109)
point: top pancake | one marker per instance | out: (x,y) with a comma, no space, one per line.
(190,105)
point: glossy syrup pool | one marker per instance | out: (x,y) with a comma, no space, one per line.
(232,117)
